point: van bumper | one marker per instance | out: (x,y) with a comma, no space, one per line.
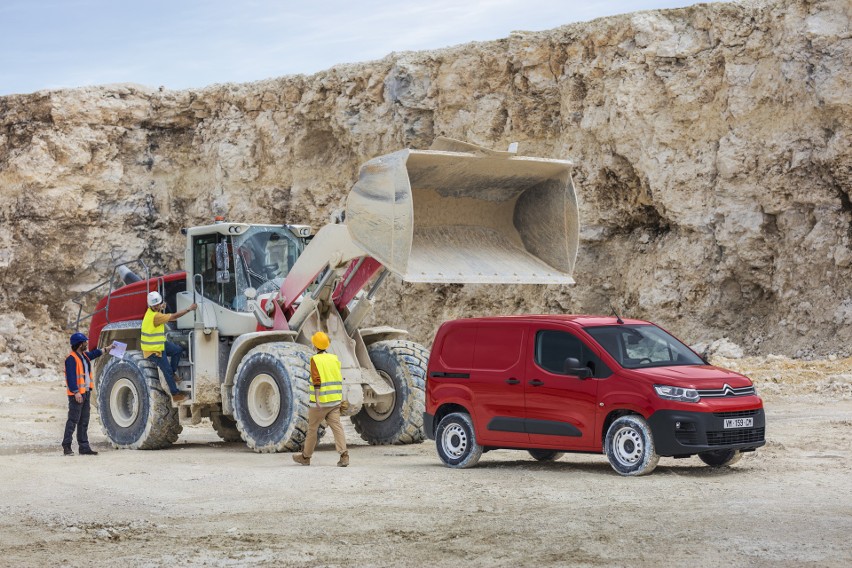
(679,434)
(428,425)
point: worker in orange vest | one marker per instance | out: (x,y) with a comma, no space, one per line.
(79,384)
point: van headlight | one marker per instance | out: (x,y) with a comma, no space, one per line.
(679,394)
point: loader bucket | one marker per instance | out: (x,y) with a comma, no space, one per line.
(464,214)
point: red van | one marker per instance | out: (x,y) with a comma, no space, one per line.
(550,384)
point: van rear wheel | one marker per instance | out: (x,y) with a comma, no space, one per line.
(456,441)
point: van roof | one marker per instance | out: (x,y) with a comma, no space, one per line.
(583,320)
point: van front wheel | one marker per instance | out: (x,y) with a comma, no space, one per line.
(629,446)
(456,441)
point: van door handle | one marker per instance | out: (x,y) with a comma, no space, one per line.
(512,381)
(536,383)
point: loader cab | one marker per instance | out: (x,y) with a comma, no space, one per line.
(228,258)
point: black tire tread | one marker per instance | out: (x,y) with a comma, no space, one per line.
(226,427)
(296,358)
(163,425)
(415,358)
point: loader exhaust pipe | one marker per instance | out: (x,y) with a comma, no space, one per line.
(128,276)
(459,213)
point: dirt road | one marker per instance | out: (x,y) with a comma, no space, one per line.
(205,502)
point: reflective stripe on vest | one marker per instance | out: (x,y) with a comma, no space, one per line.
(331,381)
(153,336)
(81,375)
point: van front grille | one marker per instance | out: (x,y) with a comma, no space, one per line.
(726,437)
(726,390)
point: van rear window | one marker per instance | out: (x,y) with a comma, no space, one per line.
(498,347)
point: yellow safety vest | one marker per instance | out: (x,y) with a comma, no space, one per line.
(331,381)
(153,336)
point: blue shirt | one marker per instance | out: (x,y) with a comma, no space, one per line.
(71,368)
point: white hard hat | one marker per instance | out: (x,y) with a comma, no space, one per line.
(154,299)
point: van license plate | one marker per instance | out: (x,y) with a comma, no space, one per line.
(739,422)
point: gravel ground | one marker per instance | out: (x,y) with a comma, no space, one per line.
(205,502)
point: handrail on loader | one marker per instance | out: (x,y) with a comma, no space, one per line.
(79,298)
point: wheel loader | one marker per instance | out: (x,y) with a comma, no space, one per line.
(456,213)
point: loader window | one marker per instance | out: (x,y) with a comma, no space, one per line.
(218,277)
(263,256)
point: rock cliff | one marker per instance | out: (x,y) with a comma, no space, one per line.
(712,148)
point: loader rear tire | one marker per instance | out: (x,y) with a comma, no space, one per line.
(402,363)
(136,413)
(226,427)
(271,394)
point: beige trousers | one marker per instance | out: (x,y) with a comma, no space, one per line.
(331,415)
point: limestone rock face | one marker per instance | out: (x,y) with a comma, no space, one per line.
(713,164)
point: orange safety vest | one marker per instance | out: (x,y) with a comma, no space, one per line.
(81,375)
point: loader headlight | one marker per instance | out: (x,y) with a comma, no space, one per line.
(679,394)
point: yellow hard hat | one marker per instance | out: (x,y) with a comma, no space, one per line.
(320,341)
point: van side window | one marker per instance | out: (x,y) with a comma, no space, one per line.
(497,347)
(553,347)
(456,351)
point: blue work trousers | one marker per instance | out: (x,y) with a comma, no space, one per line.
(168,363)
(78,419)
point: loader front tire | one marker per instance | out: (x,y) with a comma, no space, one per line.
(136,413)
(271,395)
(402,363)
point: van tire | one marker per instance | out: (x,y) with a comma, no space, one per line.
(546,455)
(402,363)
(135,412)
(720,458)
(629,445)
(456,441)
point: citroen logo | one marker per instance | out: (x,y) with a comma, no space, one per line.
(727,390)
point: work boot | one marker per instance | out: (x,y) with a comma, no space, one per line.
(299,458)
(88,452)
(67,452)
(344,460)
(179,397)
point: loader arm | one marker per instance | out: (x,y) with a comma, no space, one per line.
(332,247)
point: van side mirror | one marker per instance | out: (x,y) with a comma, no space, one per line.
(573,367)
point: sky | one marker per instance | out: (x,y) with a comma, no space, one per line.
(179,44)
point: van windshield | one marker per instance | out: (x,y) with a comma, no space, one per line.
(643,346)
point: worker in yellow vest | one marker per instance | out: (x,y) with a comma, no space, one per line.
(326,399)
(165,354)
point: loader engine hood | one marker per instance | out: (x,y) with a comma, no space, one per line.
(459,213)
